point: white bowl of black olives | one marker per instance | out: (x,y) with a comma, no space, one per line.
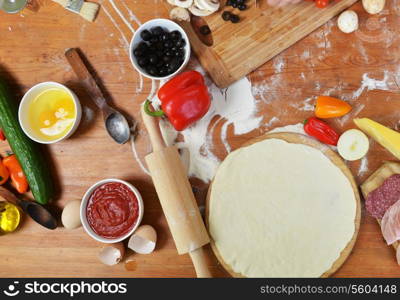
(159,49)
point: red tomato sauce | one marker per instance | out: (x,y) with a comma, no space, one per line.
(112,210)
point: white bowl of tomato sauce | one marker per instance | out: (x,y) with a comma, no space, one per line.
(111,210)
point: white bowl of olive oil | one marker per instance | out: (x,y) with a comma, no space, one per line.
(49,113)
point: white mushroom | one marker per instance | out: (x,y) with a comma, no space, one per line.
(112,254)
(348,21)
(195,10)
(373,6)
(184,3)
(172,2)
(179,14)
(210,5)
(143,241)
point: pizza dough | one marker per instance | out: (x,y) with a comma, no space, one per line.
(278,209)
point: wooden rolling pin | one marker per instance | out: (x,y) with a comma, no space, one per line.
(176,197)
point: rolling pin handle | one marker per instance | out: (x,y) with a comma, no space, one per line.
(153,129)
(200,263)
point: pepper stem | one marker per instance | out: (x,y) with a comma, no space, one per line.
(156,113)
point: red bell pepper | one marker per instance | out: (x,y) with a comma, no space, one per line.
(321,131)
(2,136)
(184,100)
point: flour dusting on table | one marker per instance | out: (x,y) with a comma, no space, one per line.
(371,84)
(234,106)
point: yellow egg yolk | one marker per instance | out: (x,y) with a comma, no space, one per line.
(52,114)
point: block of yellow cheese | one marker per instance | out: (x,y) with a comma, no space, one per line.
(388,138)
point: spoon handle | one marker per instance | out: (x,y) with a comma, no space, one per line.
(85,77)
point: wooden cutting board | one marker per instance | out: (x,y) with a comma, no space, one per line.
(234,50)
(377,178)
(335,159)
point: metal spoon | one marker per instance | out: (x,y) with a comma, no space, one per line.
(38,213)
(116,124)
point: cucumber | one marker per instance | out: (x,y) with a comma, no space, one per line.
(32,161)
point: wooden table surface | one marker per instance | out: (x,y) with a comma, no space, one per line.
(326,62)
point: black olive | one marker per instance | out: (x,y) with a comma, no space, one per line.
(166,59)
(176,35)
(157,30)
(152,49)
(180,53)
(168,53)
(229,3)
(165,70)
(235,18)
(235,4)
(168,44)
(160,63)
(159,45)
(205,30)
(162,72)
(180,43)
(153,59)
(142,46)
(242,7)
(138,52)
(226,15)
(165,36)
(240,1)
(173,49)
(143,61)
(159,53)
(152,70)
(154,39)
(146,35)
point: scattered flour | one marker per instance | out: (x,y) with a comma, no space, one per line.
(135,154)
(271,122)
(234,106)
(294,128)
(371,84)
(279,64)
(304,105)
(363,166)
(125,40)
(122,16)
(132,16)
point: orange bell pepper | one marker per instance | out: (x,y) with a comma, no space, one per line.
(329,107)
(18,178)
(4,174)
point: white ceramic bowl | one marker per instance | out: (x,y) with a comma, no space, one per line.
(166,24)
(30,96)
(85,200)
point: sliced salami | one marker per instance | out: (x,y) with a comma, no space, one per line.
(379,200)
(390,224)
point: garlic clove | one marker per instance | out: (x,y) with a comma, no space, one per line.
(143,241)
(112,254)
